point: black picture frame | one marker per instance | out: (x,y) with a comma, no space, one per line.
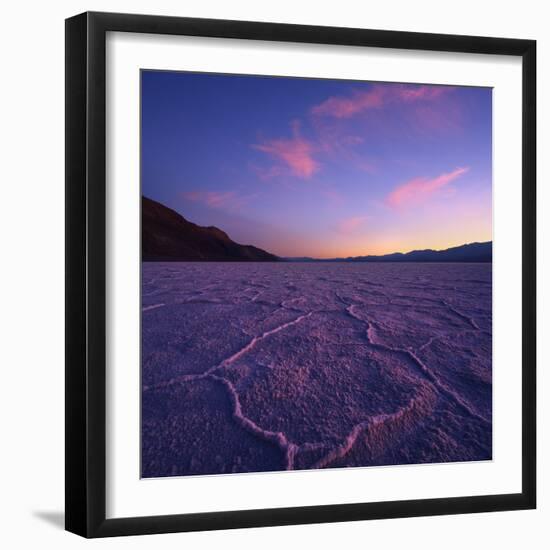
(86,274)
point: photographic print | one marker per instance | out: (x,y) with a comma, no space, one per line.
(316,275)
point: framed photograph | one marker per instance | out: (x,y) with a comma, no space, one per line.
(300,274)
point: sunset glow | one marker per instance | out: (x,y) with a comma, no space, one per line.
(320,168)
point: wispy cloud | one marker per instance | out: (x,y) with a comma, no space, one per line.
(296,153)
(337,142)
(302,157)
(223,200)
(331,138)
(378,96)
(345,107)
(418,190)
(266,173)
(433,118)
(333,197)
(352,225)
(411,93)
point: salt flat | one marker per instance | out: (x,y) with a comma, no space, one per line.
(270,366)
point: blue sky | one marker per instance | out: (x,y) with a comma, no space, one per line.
(322,168)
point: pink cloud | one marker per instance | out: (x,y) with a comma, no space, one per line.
(223,200)
(378,96)
(349,226)
(331,139)
(266,173)
(333,196)
(300,156)
(345,107)
(419,93)
(434,118)
(419,189)
(334,140)
(296,153)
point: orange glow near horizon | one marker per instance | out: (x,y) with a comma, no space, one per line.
(318,168)
(461,228)
(385,247)
(390,247)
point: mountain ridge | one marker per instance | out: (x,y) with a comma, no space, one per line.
(168,236)
(476,252)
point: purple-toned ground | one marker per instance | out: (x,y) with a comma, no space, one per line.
(251,367)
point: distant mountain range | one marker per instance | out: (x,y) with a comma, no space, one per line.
(472,252)
(168,236)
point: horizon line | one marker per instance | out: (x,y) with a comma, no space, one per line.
(316,258)
(382,255)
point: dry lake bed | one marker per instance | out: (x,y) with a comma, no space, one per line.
(251,367)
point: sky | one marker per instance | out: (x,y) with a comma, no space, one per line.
(320,168)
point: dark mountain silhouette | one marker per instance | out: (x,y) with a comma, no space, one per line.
(168,236)
(472,252)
